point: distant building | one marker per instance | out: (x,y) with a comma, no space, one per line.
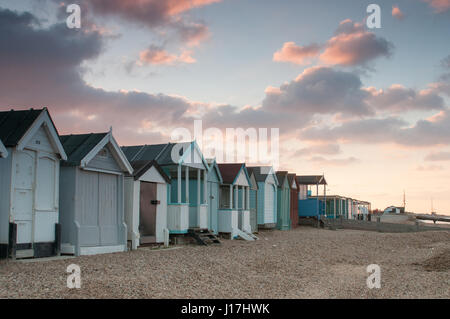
(394,210)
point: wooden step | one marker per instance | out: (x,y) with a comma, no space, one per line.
(203,236)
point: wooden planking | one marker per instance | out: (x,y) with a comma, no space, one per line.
(104,160)
(41,142)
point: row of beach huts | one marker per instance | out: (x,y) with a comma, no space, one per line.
(83,194)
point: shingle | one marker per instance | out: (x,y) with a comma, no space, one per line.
(291,178)
(281,176)
(143,152)
(229,171)
(311,180)
(256,170)
(77,146)
(14,124)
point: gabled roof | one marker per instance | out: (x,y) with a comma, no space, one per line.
(230,171)
(253,182)
(14,125)
(282,176)
(3,151)
(141,167)
(311,180)
(262,172)
(212,165)
(162,153)
(18,127)
(292,178)
(82,148)
(143,152)
(79,145)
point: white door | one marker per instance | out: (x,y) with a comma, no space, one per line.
(269,197)
(108,214)
(25,172)
(46,206)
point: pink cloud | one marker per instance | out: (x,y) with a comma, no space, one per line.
(290,52)
(397,13)
(439,5)
(159,56)
(353,45)
(167,14)
(178,6)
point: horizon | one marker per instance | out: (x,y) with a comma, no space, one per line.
(368,108)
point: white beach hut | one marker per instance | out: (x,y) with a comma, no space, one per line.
(146,203)
(91,195)
(29,184)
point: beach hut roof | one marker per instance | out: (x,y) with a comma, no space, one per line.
(17,127)
(230,171)
(162,153)
(82,148)
(79,145)
(212,164)
(261,172)
(282,176)
(143,152)
(141,167)
(292,178)
(311,180)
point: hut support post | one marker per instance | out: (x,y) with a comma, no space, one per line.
(199,194)
(179,184)
(248,198)
(236,196)
(318,206)
(231,196)
(243,197)
(187,184)
(334,206)
(205,187)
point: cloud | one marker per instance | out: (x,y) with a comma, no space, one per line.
(353,45)
(445,63)
(398,98)
(424,133)
(321,149)
(157,55)
(157,14)
(397,13)
(290,52)
(42,67)
(319,90)
(429,168)
(151,13)
(360,131)
(191,33)
(318,160)
(439,156)
(439,6)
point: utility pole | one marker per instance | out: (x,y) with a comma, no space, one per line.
(404,201)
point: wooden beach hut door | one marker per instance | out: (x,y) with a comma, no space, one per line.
(147,215)
(108,209)
(213,203)
(23,195)
(34,197)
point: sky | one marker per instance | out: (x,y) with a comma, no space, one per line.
(367,107)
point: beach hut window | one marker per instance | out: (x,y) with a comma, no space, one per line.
(224,197)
